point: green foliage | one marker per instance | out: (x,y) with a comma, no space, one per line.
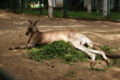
(60,50)
(70,74)
(99,69)
(44,12)
(73,14)
(64,50)
(85,15)
(108,49)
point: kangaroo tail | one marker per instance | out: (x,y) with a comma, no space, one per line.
(106,53)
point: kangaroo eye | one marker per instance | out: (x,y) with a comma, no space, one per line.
(30,29)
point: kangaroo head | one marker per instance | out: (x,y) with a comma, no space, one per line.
(32,27)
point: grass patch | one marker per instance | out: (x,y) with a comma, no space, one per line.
(65,51)
(35,12)
(62,50)
(99,69)
(108,49)
(73,14)
(57,50)
(70,74)
(86,15)
(44,12)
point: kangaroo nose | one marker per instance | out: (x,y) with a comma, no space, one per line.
(27,33)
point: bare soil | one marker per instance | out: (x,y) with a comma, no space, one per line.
(12,33)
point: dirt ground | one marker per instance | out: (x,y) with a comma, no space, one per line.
(12,33)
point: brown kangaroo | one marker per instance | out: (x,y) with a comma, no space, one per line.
(77,39)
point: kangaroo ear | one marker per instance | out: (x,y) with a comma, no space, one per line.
(36,22)
(30,21)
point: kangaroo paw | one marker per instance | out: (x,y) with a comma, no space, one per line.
(92,64)
(10,49)
(107,62)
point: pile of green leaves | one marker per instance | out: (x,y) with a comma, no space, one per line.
(108,49)
(58,50)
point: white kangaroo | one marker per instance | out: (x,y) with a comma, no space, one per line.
(77,39)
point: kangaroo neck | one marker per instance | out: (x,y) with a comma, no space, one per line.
(37,32)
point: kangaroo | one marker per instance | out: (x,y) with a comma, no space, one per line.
(77,39)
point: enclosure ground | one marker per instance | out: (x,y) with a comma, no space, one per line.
(12,33)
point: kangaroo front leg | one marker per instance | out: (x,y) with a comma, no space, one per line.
(20,47)
(33,41)
(30,38)
(27,46)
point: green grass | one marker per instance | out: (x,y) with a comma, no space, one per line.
(99,69)
(70,74)
(115,16)
(35,12)
(94,15)
(86,15)
(65,51)
(61,50)
(74,14)
(57,50)
(44,12)
(108,49)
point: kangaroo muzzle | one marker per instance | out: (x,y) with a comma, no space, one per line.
(27,33)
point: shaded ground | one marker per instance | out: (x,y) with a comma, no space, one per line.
(12,33)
